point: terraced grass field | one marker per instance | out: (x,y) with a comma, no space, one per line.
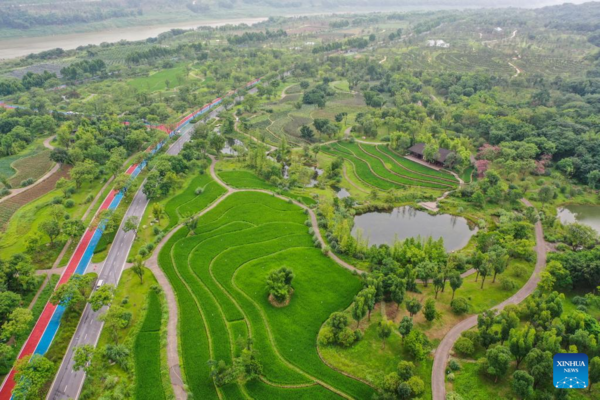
(188,202)
(219,274)
(379,167)
(33,167)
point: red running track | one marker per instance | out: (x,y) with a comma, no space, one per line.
(42,322)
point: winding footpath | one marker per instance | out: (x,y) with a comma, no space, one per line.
(442,353)
(53,170)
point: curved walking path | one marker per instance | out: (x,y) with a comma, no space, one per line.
(53,170)
(442,353)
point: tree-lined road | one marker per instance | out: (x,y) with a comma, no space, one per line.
(442,353)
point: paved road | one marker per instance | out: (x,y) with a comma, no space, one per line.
(442,353)
(68,383)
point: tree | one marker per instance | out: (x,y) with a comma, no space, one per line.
(539,365)
(429,311)
(121,182)
(6,354)
(17,323)
(496,361)
(413,306)
(456,282)
(101,297)
(520,342)
(131,224)
(384,330)
(498,259)
(82,357)
(370,296)
(417,344)
(522,384)
(545,194)
(485,268)
(593,178)
(359,309)
(397,292)
(73,228)
(404,391)
(425,271)
(405,327)
(594,371)
(416,385)
(158,211)
(439,282)
(508,321)
(279,284)
(9,301)
(51,228)
(31,376)
(580,236)
(306,132)
(406,370)
(116,318)
(138,268)
(84,172)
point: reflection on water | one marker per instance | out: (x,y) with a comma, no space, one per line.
(585,214)
(342,193)
(313,180)
(406,222)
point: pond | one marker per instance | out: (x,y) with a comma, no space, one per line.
(341,193)
(407,222)
(584,214)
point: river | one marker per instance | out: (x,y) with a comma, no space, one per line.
(12,48)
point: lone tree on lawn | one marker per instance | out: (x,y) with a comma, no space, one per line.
(456,282)
(384,330)
(279,283)
(138,268)
(405,327)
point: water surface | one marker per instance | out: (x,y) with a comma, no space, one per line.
(584,214)
(407,222)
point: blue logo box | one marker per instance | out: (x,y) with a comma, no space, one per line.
(570,371)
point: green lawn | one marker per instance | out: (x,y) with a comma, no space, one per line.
(219,275)
(157,81)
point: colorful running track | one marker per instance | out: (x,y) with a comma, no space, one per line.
(48,323)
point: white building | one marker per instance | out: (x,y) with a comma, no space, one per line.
(438,43)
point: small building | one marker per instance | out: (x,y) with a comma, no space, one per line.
(438,43)
(418,149)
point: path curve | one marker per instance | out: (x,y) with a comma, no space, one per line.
(53,170)
(442,353)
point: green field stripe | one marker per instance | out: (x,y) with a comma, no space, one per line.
(146,353)
(450,179)
(193,336)
(398,169)
(362,171)
(416,166)
(379,168)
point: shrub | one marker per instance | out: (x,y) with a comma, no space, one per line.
(406,370)
(156,230)
(4,191)
(464,346)
(391,382)
(57,200)
(519,271)
(453,365)
(27,182)
(143,252)
(199,191)
(450,377)
(326,336)
(459,305)
(346,337)
(580,301)
(69,203)
(416,385)
(358,335)
(89,198)
(507,284)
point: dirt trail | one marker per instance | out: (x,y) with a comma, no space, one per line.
(442,353)
(516,69)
